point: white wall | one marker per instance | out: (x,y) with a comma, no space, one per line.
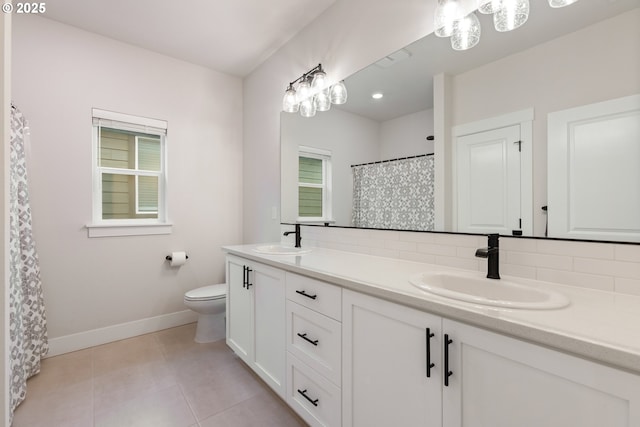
(553,76)
(59,74)
(406,135)
(350,138)
(348,36)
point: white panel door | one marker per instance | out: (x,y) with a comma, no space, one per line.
(384,380)
(488,181)
(498,381)
(239,306)
(594,171)
(269,325)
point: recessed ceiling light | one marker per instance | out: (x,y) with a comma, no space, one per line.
(377,95)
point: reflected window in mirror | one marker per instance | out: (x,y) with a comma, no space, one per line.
(314,184)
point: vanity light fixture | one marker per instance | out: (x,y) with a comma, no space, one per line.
(561,3)
(313,94)
(511,14)
(464,30)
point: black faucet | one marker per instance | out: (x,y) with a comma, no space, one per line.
(492,253)
(297,233)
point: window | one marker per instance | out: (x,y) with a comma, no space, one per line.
(129,178)
(314,184)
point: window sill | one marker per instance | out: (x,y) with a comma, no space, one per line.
(128,229)
(315,221)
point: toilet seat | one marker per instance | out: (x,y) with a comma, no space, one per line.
(207,293)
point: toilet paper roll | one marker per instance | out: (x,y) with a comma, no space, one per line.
(178,258)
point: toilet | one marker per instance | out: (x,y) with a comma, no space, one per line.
(209,303)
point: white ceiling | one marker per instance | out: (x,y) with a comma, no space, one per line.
(232,36)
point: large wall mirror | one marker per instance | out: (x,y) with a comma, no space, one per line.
(533,132)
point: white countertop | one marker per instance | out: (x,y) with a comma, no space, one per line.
(598,325)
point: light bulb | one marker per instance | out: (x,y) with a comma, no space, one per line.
(304,91)
(290,101)
(308,107)
(319,81)
(323,100)
(466,33)
(561,3)
(447,12)
(489,6)
(511,15)
(339,93)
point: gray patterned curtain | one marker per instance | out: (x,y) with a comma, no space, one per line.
(27,320)
(397,194)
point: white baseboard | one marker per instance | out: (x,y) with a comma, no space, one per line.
(82,340)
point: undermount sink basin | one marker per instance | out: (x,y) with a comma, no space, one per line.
(281,250)
(476,289)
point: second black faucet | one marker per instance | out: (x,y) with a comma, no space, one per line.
(297,233)
(492,253)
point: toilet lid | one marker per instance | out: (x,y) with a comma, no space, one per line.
(207,293)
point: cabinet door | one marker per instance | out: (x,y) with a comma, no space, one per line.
(239,310)
(384,380)
(504,382)
(270,325)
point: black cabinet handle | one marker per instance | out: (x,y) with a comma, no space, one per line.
(303,293)
(304,337)
(244,276)
(430,365)
(447,372)
(304,394)
(248,282)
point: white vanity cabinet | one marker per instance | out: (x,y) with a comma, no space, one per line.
(494,380)
(256,318)
(314,350)
(386,350)
(499,381)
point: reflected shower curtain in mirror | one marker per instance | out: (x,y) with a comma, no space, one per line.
(396,194)
(27,320)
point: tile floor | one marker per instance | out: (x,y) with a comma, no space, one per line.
(155,380)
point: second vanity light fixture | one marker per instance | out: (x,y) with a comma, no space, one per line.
(464,30)
(313,93)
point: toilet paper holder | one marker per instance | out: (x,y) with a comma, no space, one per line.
(170,258)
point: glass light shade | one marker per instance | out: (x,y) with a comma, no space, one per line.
(290,101)
(561,3)
(511,15)
(339,93)
(308,107)
(319,81)
(447,12)
(323,100)
(304,91)
(489,6)
(466,33)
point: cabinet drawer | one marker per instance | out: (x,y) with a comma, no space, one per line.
(315,339)
(319,296)
(312,396)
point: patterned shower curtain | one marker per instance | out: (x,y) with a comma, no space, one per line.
(396,194)
(27,320)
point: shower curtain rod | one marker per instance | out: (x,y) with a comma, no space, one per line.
(393,160)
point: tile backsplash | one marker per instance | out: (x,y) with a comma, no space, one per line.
(605,266)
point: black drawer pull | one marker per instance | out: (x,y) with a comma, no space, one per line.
(248,282)
(304,394)
(303,293)
(430,365)
(447,372)
(244,276)
(304,337)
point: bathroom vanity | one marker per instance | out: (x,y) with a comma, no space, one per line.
(346,340)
